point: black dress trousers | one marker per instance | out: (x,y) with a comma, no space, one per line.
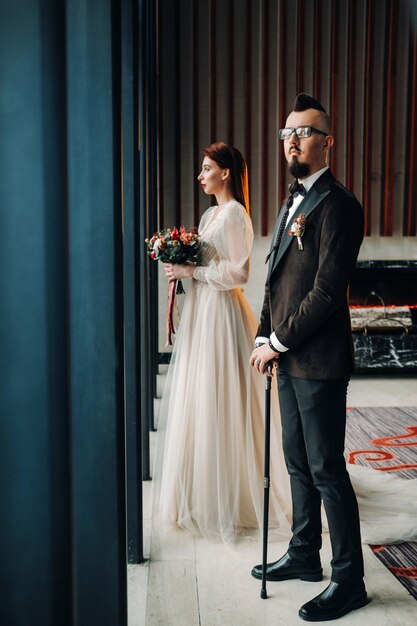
(313,414)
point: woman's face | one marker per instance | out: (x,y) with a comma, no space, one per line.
(212,177)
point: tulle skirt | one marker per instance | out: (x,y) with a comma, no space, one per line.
(211,430)
(387,505)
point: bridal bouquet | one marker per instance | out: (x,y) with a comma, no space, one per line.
(174,246)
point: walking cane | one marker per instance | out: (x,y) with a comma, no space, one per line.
(266,478)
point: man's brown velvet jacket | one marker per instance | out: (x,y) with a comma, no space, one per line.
(306,290)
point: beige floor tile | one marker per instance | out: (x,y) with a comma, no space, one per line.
(382,391)
(390,603)
(172,594)
(147,534)
(147,499)
(169,543)
(229,595)
(137,584)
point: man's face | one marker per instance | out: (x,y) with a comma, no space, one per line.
(306,156)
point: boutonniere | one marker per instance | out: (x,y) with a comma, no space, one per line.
(297,229)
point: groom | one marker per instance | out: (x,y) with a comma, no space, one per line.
(305,328)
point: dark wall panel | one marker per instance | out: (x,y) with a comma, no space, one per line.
(410,200)
(230,70)
(35,513)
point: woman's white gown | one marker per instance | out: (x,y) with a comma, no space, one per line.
(211,428)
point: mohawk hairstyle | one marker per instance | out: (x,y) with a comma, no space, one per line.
(304,101)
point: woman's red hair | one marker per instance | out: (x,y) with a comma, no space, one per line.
(228,157)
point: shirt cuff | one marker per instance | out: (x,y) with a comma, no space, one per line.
(277,344)
(259,341)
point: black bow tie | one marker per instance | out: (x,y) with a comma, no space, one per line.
(297,187)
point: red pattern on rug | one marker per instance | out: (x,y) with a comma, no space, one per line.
(405,572)
(387,428)
(389,441)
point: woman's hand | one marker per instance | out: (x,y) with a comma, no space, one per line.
(175,271)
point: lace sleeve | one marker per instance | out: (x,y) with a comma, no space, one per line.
(200,273)
(233,241)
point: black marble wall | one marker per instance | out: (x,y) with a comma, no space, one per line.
(393,282)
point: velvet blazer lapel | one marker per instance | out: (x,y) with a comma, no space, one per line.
(317,193)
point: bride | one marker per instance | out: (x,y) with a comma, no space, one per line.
(212,470)
(211,431)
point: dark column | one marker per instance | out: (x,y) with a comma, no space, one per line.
(145,344)
(152,159)
(96,312)
(131,246)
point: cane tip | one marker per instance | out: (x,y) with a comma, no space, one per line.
(263,594)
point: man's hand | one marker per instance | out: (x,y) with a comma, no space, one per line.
(261,357)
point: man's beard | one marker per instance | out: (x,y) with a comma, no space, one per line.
(299,170)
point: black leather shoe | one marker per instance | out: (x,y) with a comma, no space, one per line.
(334,602)
(287,568)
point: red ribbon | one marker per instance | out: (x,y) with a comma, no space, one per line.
(172,291)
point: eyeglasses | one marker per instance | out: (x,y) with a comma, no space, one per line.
(302,132)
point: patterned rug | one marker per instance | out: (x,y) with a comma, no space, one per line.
(386,439)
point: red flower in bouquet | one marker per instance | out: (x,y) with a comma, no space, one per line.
(175,234)
(174,246)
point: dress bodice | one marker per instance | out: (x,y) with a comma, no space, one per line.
(227,237)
